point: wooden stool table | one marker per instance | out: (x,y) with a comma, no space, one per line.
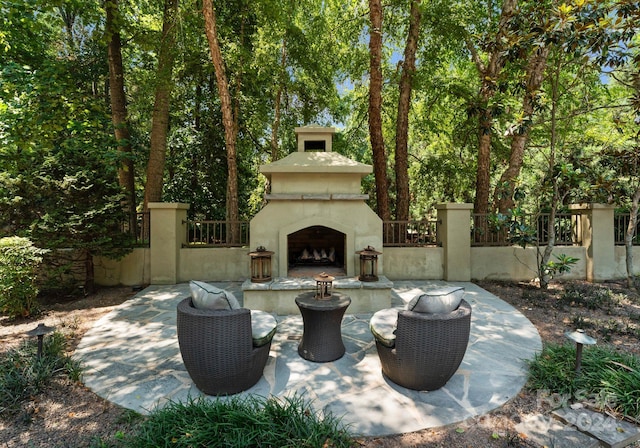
(322,338)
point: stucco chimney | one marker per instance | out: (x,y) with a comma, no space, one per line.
(314,138)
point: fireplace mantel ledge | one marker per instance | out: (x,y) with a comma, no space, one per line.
(316,197)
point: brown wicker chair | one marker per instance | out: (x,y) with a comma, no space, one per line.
(428,348)
(217,349)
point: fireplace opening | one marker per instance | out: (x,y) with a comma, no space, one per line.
(316,249)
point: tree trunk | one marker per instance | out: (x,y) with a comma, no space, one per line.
(404,103)
(160,116)
(489,73)
(375,111)
(543,275)
(628,237)
(503,197)
(278,98)
(226,105)
(126,177)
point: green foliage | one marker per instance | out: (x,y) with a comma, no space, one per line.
(19,261)
(588,295)
(607,377)
(562,265)
(249,422)
(23,375)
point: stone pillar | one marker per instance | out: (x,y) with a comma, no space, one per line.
(168,233)
(596,229)
(454,235)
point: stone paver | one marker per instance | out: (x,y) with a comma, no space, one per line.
(612,432)
(131,357)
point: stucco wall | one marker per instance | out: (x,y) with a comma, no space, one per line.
(621,262)
(214,264)
(399,263)
(413,263)
(131,270)
(518,264)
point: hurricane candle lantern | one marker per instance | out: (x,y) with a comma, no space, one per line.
(324,286)
(368,264)
(261,265)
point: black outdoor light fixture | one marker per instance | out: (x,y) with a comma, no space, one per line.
(261,265)
(580,338)
(40,331)
(368,264)
(324,286)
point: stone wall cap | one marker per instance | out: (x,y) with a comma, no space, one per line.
(169,205)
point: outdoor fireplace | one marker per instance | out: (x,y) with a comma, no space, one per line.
(316,216)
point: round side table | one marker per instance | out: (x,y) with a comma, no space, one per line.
(322,338)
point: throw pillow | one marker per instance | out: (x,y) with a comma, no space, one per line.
(443,300)
(208,297)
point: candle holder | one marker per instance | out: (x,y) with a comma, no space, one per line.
(368,264)
(324,286)
(260,265)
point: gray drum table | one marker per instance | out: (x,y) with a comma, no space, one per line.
(322,338)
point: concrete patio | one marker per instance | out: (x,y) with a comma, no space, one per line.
(131,357)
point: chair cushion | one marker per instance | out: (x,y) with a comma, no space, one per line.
(443,300)
(383,325)
(208,297)
(263,327)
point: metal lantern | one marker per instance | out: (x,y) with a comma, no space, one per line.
(324,286)
(368,264)
(261,265)
(580,338)
(40,331)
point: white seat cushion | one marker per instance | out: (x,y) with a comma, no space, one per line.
(263,327)
(383,325)
(208,297)
(444,300)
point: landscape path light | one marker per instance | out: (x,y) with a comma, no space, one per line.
(40,331)
(580,338)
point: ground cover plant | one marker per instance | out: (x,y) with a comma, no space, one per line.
(23,374)
(240,422)
(608,380)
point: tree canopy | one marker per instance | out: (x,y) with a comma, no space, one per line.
(475,101)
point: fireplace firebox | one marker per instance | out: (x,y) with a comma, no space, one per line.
(316,246)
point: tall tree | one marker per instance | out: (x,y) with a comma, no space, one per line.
(503,196)
(489,69)
(126,175)
(375,109)
(160,116)
(228,120)
(404,104)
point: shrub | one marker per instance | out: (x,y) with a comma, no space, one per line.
(249,422)
(19,259)
(589,296)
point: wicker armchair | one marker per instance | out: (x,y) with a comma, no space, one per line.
(218,350)
(428,348)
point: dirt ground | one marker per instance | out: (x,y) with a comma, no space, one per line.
(69,415)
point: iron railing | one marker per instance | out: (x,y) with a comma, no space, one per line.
(489,230)
(409,233)
(207,233)
(620,224)
(141,229)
